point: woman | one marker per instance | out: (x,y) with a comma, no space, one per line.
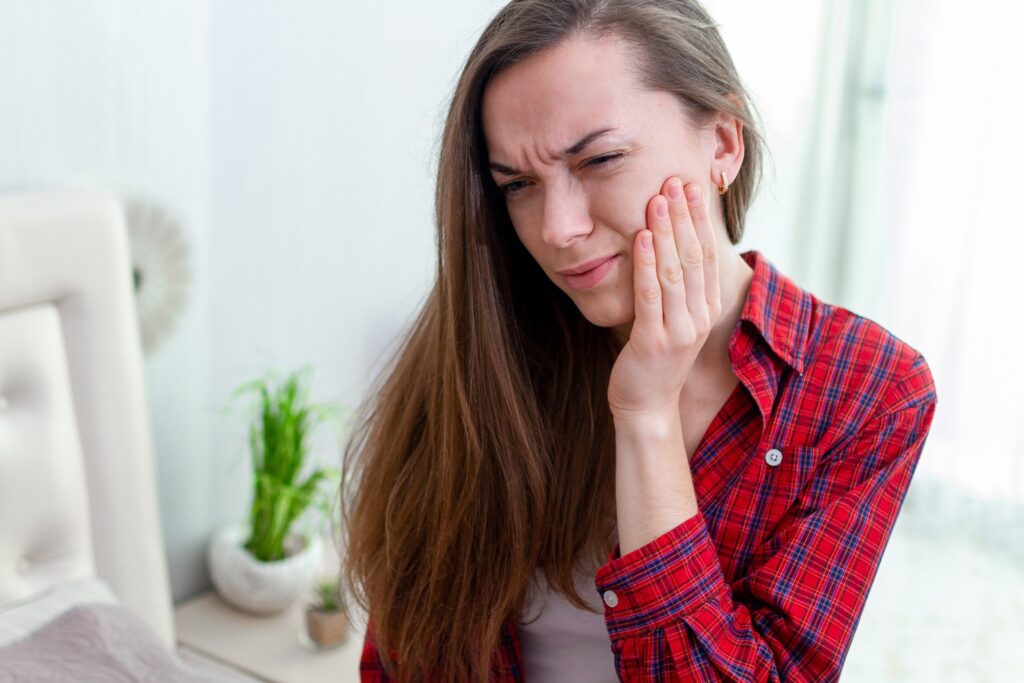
(676,465)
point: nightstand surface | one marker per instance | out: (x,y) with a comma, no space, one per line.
(270,647)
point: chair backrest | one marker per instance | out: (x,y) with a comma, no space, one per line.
(78,494)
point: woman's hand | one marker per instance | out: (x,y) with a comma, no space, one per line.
(677,302)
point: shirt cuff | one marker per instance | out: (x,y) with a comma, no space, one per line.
(661,581)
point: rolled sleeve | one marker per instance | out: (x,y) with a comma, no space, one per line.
(792,614)
(661,581)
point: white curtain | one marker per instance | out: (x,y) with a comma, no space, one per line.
(912,192)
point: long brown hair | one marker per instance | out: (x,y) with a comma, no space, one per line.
(485,451)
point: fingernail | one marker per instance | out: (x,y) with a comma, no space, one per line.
(693,193)
(675,188)
(645,239)
(660,207)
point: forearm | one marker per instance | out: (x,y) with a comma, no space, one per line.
(653,487)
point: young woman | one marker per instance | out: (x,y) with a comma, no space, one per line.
(612,447)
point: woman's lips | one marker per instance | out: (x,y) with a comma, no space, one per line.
(592,277)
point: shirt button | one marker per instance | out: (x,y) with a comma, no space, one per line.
(610,598)
(773,457)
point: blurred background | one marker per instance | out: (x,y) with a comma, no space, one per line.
(278,159)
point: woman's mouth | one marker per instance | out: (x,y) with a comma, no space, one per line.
(592,277)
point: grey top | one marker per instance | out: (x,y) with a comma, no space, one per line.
(565,643)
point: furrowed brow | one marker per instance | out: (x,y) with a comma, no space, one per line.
(574,148)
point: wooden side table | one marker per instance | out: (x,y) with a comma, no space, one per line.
(273,648)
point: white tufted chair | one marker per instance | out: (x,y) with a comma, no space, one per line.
(77,483)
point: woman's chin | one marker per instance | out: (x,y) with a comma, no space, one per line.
(606,311)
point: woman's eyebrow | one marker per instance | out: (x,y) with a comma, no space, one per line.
(574,148)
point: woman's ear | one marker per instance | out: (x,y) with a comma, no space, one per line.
(727,155)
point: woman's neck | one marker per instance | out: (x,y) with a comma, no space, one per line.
(735,277)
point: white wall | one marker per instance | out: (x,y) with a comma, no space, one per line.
(775,49)
(114,95)
(325,118)
(296,142)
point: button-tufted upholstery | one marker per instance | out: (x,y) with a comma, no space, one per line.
(77,482)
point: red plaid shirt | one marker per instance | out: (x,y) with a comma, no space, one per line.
(799,479)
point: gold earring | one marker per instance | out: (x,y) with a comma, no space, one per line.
(724,187)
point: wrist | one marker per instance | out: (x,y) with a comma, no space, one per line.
(649,438)
(663,422)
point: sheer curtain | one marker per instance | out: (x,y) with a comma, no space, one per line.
(912,192)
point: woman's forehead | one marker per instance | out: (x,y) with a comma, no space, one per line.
(551,99)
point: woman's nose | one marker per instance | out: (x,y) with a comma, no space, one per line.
(566,216)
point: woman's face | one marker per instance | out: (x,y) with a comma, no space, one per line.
(579,149)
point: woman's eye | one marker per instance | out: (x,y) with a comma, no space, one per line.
(516,185)
(602,160)
(513,187)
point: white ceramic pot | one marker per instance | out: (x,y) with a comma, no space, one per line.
(254,586)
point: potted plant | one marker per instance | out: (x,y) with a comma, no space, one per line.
(266,563)
(327,622)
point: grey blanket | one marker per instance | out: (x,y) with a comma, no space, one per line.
(96,643)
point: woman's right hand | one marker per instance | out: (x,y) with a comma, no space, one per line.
(676,302)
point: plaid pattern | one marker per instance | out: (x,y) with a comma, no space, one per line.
(768,581)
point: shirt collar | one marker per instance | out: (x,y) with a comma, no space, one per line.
(779,309)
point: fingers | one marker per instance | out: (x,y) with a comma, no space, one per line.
(670,271)
(691,256)
(698,210)
(646,289)
(676,281)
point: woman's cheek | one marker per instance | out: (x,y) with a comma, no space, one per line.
(621,203)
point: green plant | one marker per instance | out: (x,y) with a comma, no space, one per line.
(279,445)
(328,595)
